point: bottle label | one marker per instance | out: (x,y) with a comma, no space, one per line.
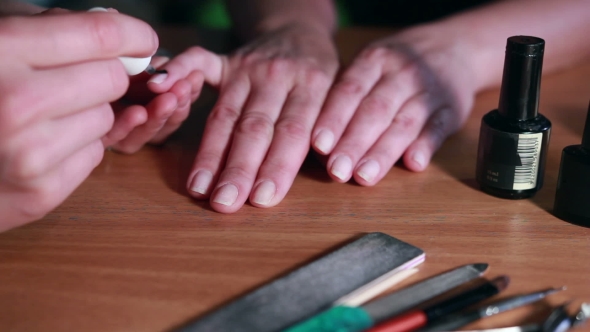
(529,151)
(511,160)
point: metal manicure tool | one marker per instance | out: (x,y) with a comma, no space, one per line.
(557,321)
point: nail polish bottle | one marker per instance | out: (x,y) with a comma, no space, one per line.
(513,139)
(572,199)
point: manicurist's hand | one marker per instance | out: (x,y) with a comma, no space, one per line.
(258,133)
(141,116)
(400,98)
(58,76)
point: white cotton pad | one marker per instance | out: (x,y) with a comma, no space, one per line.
(133,66)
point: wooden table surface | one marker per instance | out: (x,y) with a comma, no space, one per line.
(129,251)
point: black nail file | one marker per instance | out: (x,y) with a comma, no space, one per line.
(311,288)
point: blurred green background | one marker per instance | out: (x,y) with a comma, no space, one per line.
(212,13)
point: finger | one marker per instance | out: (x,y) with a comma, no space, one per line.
(373,116)
(172,124)
(44,146)
(341,103)
(52,189)
(53,40)
(441,124)
(195,58)
(290,144)
(196,79)
(159,110)
(142,78)
(249,146)
(391,145)
(176,119)
(126,120)
(57,92)
(217,136)
(182,89)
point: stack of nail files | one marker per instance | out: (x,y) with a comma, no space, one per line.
(312,288)
(344,318)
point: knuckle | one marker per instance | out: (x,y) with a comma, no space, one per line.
(350,87)
(106,33)
(405,121)
(106,119)
(316,78)
(164,113)
(46,197)
(248,59)
(27,164)
(196,50)
(439,127)
(256,125)
(97,154)
(377,106)
(224,114)
(17,102)
(278,68)
(239,171)
(376,53)
(35,211)
(294,128)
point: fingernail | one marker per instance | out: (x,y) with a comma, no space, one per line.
(342,167)
(420,158)
(368,170)
(158,79)
(264,193)
(324,141)
(201,182)
(226,195)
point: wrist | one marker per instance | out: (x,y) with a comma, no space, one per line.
(279,23)
(466,48)
(481,49)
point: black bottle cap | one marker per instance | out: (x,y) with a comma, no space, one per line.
(572,199)
(521,80)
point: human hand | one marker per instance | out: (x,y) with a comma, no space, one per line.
(58,75)
(142,116)
(258,133)
(401,97)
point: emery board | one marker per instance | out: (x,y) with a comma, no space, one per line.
(310,289)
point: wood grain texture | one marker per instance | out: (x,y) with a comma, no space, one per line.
(129,251)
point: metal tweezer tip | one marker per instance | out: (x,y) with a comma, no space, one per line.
(151,70)
(554,290)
